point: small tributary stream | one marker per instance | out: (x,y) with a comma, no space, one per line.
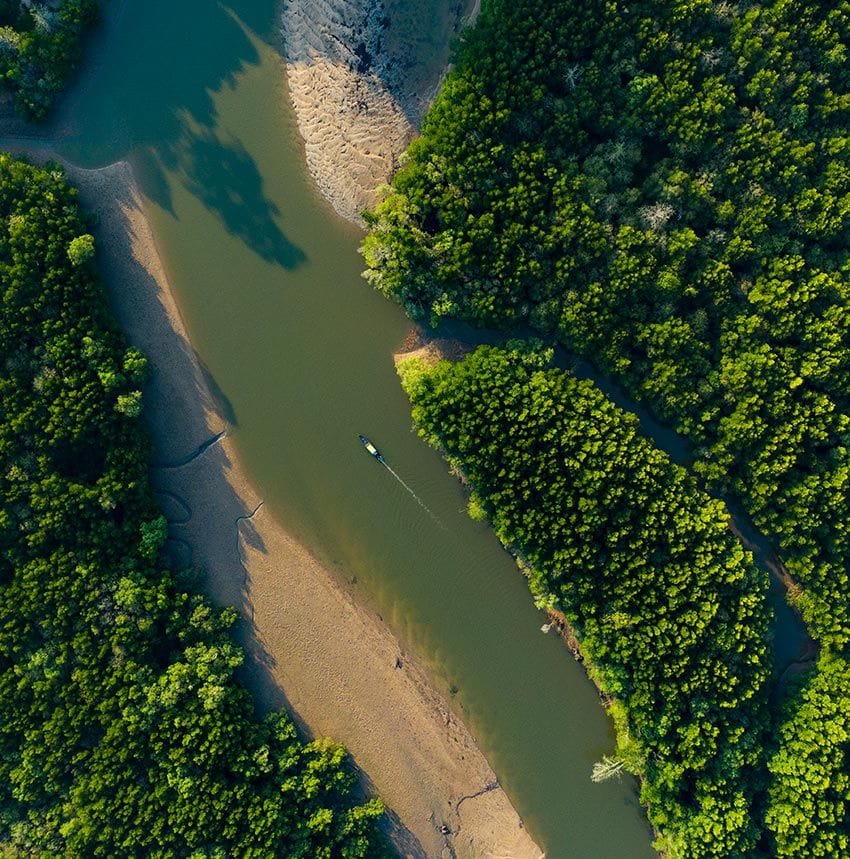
(790,639)
(300,352)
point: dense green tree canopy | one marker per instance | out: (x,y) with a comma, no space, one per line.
(122,729)
(40,47)
(809,812)
(667,605)
(664,186)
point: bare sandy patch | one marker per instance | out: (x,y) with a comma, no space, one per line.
(431,350)
(311,646)
(362,74)
(353,130)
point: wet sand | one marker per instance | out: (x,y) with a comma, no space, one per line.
(311,646)
(362,74)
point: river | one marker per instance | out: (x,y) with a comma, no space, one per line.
(300,352)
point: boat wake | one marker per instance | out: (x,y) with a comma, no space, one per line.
(373,451)
(419,501)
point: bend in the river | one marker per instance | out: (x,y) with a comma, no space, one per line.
(300,351)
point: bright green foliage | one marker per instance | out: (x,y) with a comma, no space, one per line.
(122,729)
(665,186)
(669,608)
(81,249)
(809,812)
(40,47)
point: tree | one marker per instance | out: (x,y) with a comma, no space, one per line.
(123,729)
(670,611)
(81,249)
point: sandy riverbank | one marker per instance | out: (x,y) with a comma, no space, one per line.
(362,74)
(311,646)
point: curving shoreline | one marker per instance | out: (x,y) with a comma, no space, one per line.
(362,74)
(310,645)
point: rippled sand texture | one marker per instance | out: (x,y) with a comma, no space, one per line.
(361,76)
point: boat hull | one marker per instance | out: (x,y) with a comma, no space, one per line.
(371,449)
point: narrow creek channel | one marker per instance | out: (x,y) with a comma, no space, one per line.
(790,639)
(300,351)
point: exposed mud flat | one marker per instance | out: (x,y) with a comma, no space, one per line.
(362,74)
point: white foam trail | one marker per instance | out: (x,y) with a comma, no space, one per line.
(419,501)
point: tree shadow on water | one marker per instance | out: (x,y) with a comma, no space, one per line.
(225,178)
(149,92)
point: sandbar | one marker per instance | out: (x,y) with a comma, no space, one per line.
(311,647)
(362,74)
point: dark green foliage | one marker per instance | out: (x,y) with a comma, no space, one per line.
(122,729)
(664,186)
(40,47)
(669,608)
(810,796)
